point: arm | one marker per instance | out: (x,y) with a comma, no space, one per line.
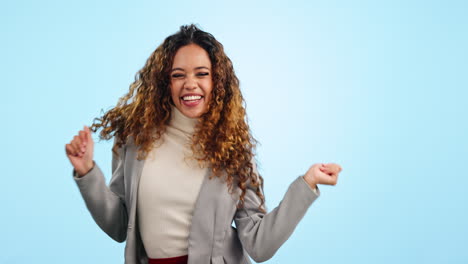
(262,234)
(106,204)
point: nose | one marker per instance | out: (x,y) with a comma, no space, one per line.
(190,83)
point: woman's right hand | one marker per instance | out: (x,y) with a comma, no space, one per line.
(80,151)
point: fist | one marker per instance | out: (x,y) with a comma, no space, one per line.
(322,173)
(80,151)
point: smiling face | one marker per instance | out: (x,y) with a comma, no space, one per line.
(191,80)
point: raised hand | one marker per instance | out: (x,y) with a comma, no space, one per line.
(80,151)
(321,173)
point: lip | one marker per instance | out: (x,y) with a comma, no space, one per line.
(191,103)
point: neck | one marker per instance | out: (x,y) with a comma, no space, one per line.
(182,122)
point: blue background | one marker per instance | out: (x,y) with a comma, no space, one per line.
(378,87)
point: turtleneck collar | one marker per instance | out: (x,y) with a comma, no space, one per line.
(181,122)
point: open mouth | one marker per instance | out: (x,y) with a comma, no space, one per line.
(191,98)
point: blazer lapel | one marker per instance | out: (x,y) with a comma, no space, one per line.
(201,230)
(213,207)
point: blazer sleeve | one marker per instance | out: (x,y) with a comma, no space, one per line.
(262,234)
(106,203)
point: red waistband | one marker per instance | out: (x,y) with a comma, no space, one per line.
(175,260)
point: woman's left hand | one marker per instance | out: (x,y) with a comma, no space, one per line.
(322,173)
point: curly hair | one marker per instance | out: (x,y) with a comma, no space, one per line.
(222,138)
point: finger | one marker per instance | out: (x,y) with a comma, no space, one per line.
(88,134)
(70,150)
(324,169)
(78,140)
(333,167)
(81,147)
(83,137)
(332,179)
(76,145)
(337,167)
(327,168)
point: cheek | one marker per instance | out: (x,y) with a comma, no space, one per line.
(174,90)
(208,85)
(175,87)
(208,91)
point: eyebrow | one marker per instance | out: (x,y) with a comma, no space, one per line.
(197,68)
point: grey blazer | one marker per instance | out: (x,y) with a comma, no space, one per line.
(212,237)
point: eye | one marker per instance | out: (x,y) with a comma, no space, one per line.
(203,74)
(177,75)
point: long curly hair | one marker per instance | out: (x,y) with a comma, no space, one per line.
(222,138)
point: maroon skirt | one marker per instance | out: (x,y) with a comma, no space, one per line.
(175,260)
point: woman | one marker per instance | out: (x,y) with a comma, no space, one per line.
(183,167)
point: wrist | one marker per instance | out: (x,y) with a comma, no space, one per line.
(86,170)
(311,182)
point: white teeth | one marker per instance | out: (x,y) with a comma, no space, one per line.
(191,97)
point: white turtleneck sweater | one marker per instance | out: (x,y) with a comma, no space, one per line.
(168,189)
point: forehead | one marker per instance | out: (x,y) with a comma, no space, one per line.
(191,56)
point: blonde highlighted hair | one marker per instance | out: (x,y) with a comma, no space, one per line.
(222,137)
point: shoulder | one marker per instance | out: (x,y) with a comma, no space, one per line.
(120,146)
